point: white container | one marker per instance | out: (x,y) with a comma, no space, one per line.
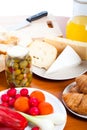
(18,67)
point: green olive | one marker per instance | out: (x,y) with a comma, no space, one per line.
(30,79)
(27,84)
(15,65)
(27,70)
(29,75)
(17,72)
(23,64)
(24,81)
(20,77)
(16,60)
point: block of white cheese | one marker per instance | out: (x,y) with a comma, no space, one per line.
(67,58)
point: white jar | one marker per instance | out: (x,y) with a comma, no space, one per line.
(18,67)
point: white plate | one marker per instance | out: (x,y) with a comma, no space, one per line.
(66,90)
(58,106)
(62,74)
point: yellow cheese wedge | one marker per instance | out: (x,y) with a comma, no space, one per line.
(61,43)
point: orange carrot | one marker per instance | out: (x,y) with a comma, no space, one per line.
(45,108)
(39,95)
(22,104)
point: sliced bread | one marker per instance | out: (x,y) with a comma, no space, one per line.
(42,53)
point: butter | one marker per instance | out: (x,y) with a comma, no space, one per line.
(67,58)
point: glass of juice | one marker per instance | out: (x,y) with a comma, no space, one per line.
(76,28)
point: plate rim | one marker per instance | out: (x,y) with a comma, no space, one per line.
(35,70)
(67,90)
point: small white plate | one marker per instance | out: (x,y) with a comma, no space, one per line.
(57,104)
(66,90)
(62,74)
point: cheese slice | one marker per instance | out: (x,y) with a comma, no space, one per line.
(67,58)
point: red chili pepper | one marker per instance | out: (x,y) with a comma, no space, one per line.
(11,118)
(3,127)
(6,128)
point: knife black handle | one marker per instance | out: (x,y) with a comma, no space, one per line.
(37,16)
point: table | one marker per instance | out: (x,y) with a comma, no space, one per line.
(54,87)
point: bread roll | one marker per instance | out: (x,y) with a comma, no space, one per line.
(42,53)
(61,43)
(7,39)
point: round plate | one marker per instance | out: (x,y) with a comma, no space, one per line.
(66,90)
(62,74)
(58,106)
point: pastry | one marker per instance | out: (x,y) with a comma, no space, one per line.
(73,100)
(74,89)
(76,98)
(82,108)
(81,82)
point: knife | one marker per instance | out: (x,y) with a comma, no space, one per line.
(27,21)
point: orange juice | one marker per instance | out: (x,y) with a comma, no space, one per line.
(76,28)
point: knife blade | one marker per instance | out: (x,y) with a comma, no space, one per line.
(27,21)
